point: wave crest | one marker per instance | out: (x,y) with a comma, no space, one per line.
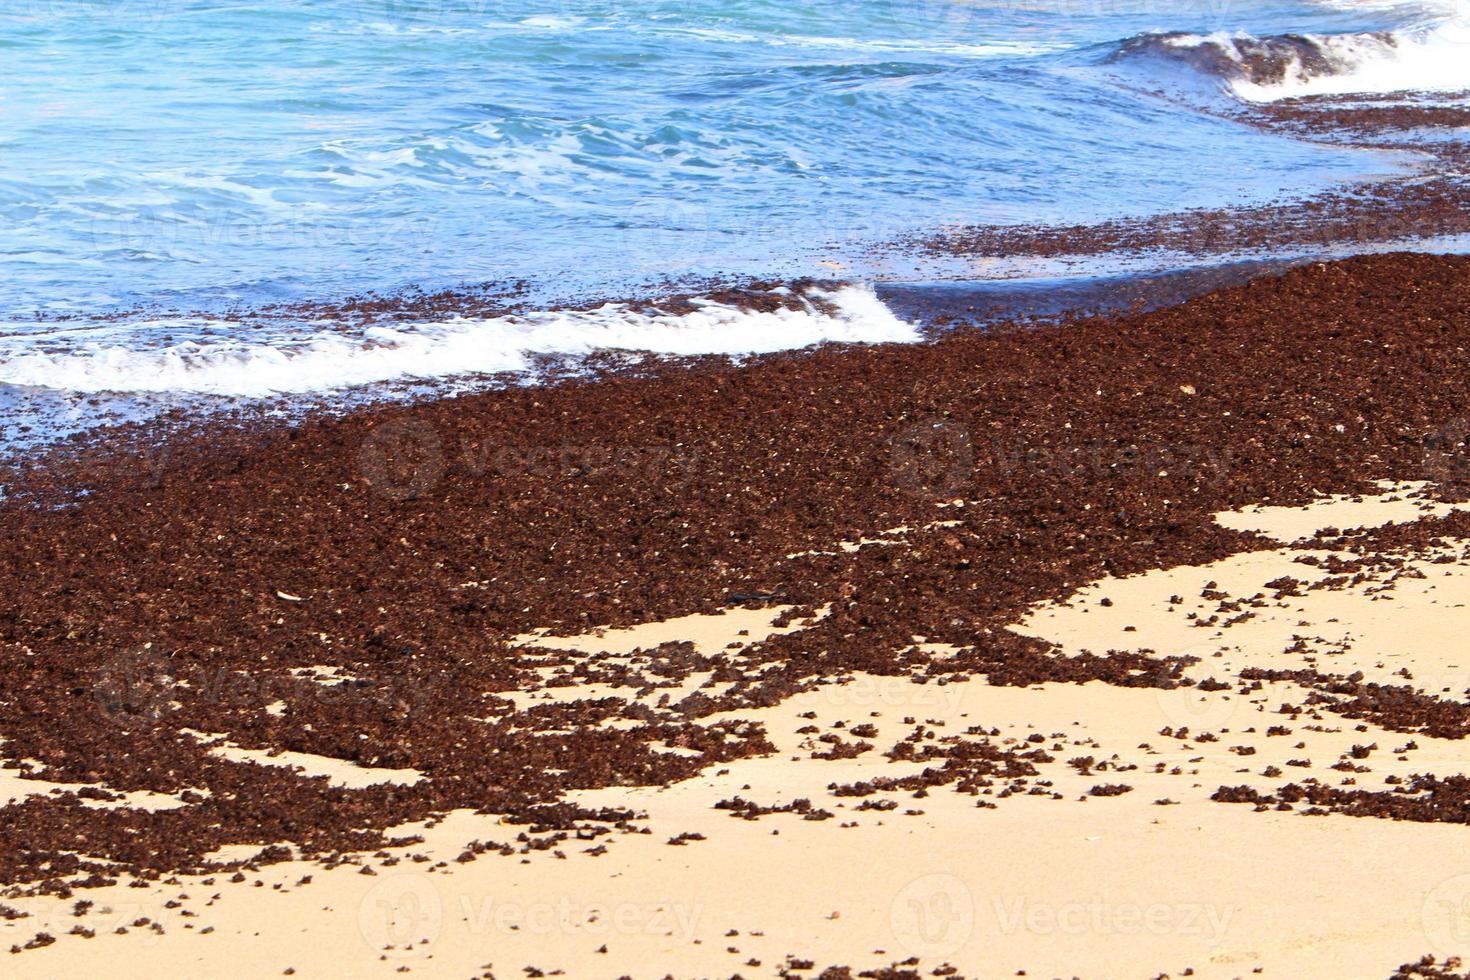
(328,360)
(1282,66)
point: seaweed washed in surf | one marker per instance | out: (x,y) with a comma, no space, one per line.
(183,225)
(896,489)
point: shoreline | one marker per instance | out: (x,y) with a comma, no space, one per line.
(384,599)
(55,420)
(1426,204)
(953,276)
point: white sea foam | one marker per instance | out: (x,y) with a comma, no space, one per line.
(995,49)
(328,360)
(1435,59)
(1435,62)
(551,22)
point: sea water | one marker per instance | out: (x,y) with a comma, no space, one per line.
(171,170)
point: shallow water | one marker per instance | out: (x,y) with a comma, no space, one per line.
(194,153)
(198,156)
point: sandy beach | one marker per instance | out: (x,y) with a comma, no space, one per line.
(901,489)
(1099,839)
(1090,649)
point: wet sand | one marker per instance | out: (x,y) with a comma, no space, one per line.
(1019,650)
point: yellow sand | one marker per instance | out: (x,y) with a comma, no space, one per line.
(1094,887)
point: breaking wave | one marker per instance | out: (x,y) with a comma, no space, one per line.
(222,365)
(1282,66)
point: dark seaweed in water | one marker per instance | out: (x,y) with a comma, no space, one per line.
(1259,60)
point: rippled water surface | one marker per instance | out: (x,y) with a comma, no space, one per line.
(172,168)
(196,152)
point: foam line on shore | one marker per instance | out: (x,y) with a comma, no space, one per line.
(326,361)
